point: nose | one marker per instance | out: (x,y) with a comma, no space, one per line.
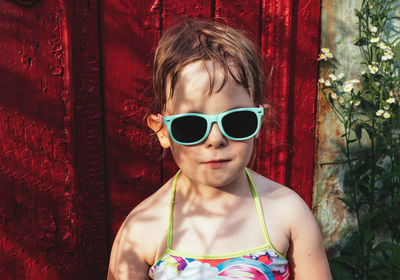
(215,138)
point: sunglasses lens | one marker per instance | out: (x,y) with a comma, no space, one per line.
(188,129)
(240,124)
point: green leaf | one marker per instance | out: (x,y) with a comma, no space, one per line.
(387,246)
(390,175)
(358,131)
(396,51)
(357,13)
(362,41)
(368,234)
(340,271)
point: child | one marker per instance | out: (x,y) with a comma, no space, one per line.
(214,219)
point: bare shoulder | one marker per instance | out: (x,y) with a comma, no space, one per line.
(294,219)
(141,238)
(282,198)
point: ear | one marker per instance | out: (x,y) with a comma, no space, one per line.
(162,133)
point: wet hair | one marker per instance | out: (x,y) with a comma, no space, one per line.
(200,40)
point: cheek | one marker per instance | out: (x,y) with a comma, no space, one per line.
(247,149)
(181,153)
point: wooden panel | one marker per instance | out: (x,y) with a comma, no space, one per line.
(241,14)
(289,43)
(52,214)
(303,91)
(275,46)
(130,30)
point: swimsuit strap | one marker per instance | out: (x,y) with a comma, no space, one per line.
(256,201)
(259,209)
(171,213)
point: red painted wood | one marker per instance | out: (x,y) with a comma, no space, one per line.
(52,177)
(241,14)
(286,150)
(276,46)
(52,213)
(303,81)
(130,30)
(83,60)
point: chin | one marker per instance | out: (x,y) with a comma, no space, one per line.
(220,177)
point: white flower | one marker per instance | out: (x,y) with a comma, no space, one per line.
(382,46)
(373,69)
(386,107)
(374,40)
(377,84)
(325,50)
(348,87)
(328,83)
(322,57)
(391,100)
(333,77)
(334,95)
(389,52)
(386,115)
(321,81)
(326,53)
(374,29)
(340,76)
(357,103)
(388,55)
(379,113)
(362,72)
(355,81)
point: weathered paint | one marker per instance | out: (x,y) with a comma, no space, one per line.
(52,213)
(130,30)
(338,31)
(290,33)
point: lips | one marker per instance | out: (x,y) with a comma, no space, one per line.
(215,163)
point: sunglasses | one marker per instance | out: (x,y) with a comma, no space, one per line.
(192,128)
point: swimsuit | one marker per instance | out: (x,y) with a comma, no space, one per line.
(261,263)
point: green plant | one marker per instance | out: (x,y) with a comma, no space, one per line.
(369,109)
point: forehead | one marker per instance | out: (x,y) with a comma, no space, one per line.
(192,89)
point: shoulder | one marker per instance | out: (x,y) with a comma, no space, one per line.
(294,214)
(147,223)
(139,241)
(282,198)
(306,253)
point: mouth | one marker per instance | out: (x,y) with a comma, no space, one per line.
(215,163)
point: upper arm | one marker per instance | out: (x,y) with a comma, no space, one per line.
(307,256)
(127,260)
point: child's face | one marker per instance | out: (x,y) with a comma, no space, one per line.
(216,161)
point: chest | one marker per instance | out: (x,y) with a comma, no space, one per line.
(226,230)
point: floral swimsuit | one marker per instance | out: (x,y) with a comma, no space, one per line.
(261,263)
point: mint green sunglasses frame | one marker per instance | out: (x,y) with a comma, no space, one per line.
(210,119)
